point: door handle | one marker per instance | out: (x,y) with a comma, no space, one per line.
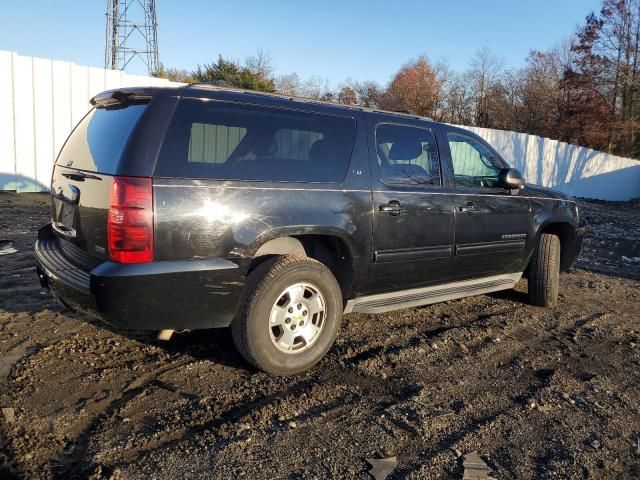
(394,207)
(469,208)
(80,176)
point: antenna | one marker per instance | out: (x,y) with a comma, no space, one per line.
(131,32)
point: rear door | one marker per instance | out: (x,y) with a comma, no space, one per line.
(491,224)
(412,213)
(82,177)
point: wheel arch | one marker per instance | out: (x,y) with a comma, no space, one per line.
(332,250)
(566,232)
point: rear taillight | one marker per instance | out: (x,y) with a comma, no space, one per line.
(130,220)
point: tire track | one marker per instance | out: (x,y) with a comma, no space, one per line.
(68,466)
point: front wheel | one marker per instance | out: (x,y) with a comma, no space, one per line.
(290,315)
(544,272)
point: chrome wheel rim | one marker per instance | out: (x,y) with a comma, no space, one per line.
(297,318)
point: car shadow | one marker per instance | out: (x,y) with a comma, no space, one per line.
(214,344)
(510,295)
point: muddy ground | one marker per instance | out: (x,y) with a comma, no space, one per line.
(537,393)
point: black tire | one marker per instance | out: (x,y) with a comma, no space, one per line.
(250,329)
(544,272)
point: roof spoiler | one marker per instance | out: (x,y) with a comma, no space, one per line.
(122,96)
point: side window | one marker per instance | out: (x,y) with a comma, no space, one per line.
(221,141)
(295,144)
(407,155)
(473,164)
(213,143)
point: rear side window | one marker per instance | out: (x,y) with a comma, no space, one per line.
(407,155)
(212,143)
(219,141)
(99,139)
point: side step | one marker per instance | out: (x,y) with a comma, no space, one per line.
(386,302)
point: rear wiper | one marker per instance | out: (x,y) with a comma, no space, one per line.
(80,176)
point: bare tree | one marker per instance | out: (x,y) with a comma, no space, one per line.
(370,94)
(316,88)
(288,84)
(458,100)
(485,75)
(260,64)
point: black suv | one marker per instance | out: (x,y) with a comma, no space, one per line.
(204,206)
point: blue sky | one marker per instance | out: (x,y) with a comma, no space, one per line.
(364,40)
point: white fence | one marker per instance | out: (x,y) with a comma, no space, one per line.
(41,100)
(578,171)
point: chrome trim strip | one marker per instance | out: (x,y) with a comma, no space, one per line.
(468,194)
(412,254)
(296,189)
(483,248)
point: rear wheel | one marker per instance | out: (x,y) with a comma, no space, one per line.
(290,315)
(544,272)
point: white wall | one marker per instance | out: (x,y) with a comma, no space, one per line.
(578,171)
(41,100)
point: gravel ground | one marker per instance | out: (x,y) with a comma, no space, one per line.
(537,393)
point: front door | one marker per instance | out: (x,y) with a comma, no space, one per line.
(491,223)
(413,215)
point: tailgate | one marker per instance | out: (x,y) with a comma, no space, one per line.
(79,206)
(82,180)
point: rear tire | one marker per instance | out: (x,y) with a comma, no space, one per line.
(544,272)
(290,314)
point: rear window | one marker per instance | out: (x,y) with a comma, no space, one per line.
(219,141)
(99,139)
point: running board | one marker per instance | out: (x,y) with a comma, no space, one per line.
(386,302)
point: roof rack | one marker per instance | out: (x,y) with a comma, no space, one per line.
(213,83)
(225,86)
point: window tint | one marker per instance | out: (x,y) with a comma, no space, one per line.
(295,144)
(213,143)
(473,164)
(99,139)
(407,155)
(215,140)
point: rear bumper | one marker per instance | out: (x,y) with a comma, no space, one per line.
(177,295)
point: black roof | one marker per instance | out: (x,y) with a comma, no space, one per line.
(132,94)
(292,98)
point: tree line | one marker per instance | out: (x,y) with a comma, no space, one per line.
(584,91)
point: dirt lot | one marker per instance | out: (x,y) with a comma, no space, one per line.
(537,393)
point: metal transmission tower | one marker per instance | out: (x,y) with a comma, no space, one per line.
(131,33)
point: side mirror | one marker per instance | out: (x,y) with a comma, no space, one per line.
(511,178)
